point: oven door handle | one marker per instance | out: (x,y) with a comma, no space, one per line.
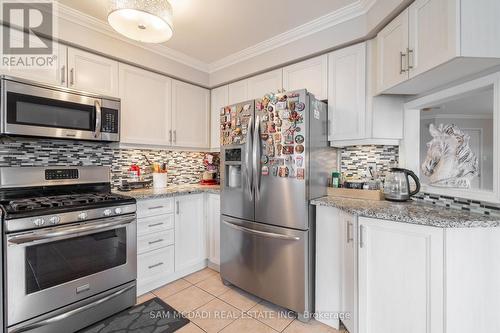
(70,313)
(49,235)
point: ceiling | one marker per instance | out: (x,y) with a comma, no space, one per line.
(209,30)
(476,102)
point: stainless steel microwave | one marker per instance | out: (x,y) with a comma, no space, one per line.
(32,109)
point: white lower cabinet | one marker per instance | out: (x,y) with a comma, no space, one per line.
(172,238)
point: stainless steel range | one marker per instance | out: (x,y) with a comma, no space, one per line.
(70,248)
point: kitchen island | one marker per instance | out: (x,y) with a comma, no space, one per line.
(406,267)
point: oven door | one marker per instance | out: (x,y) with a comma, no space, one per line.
(38,111)
(50,268)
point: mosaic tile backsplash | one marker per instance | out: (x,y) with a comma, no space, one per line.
(184,167)
(354,160)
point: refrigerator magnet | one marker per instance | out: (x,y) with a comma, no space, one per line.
(300,173)
(299,161)
(264,159)
(299,149)
(264,136)
(291,105)
(287,150)
(283,172)
(281,105)
(299,139)
(265,170)
(275,171)
(300,106)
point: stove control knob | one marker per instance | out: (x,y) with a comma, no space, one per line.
(54,219)
(38,222)
(118,210)
(82,216)
(107,212)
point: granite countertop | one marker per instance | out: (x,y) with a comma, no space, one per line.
(170,191)
(410,212)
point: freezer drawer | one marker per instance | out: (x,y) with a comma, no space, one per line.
(270,262)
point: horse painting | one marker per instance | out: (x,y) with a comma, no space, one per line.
(450,162)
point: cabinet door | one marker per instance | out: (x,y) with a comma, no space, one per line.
(145,106)
(238,92)
(392,44)
(190,114)
(189,231)
(311,74)
(213,218)
(347,93)
(432,34)
(55,76)
(218,100)
(92,73)
(400,277)
(349,284)
(270,82)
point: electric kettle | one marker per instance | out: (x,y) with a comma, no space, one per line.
(397,184)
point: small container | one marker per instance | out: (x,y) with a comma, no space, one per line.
(160,180)
(336,179)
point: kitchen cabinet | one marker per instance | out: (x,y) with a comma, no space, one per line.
(400,277)
(92,73)
(213,229)
(437,42)
(190,115)
(311,74)
(238,92)
(189,231)
(145,107)
(347,93)
(269,82)
(219,99)
(349,265)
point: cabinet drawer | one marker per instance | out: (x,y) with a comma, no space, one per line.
(153,207)
(155,224)
(155,264)
(154,241)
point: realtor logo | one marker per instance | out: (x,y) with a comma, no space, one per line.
(28,29)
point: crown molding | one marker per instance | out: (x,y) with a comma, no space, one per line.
(329,20)
(67,13)
(354,10)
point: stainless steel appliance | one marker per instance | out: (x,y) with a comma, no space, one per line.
(278,145)
(397,184)
(70,248)
(32,109)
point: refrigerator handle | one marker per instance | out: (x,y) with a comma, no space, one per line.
(256,158)
(248,172)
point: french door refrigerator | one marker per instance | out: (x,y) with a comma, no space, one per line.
(275,159)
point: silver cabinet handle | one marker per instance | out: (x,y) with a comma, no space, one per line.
(72,76)
(256,158)
(175,136)
(410,59)
(262,233)
(177,208)
(63,74)
(348,232)
(155,265)
(156,241)
(402,62)
(361,238)
(155,224)
(155,207)
(170,136)
(249,174)
(98,115)
(70,313)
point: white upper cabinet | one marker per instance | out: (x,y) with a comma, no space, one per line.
(219,99)
(238,92)
(145,107)
(92,73)
(311,74)
(436,42)
(270,82)
(190,115)
(392,44)
(347,93)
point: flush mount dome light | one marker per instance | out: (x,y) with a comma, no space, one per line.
(148,21)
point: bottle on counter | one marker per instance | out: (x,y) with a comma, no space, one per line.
(336,179)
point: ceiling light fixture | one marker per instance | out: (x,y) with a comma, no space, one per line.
(148,21)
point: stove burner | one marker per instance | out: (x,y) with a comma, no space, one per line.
(37,203)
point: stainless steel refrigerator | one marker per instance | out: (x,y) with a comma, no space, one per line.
(275,159)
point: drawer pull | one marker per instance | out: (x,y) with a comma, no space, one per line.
(155,224)
(155,207)
(155,265)
(155,241)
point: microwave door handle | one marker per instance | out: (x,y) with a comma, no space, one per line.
(98,114)
(43,236)
(248,164)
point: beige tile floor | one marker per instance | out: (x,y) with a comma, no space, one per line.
(213,307)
